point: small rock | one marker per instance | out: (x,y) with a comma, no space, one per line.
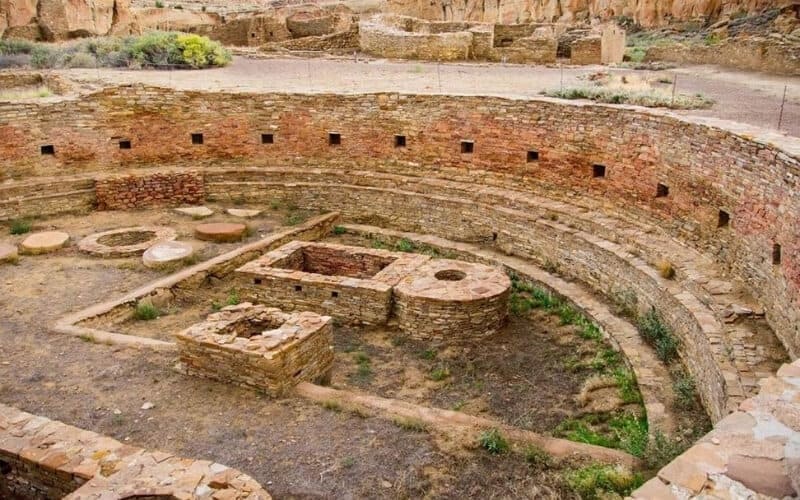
(386,484)
(714,440)
(117,412)
(220,232)
(8,253)
(148,405)
(195,212)
(244,213)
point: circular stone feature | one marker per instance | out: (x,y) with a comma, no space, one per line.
(448,299)
(45,242)
(195,212)
(166,252)
(220,232)
(8,253)
(126,241)
(243,213)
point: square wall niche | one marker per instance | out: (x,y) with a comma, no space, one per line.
(259,347)
(352,284)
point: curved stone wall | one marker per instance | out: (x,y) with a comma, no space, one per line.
(588,155)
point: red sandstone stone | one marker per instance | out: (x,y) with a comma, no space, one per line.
(220,232)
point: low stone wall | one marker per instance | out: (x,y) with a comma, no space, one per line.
(758,54)
(160,189)
(749,453)
(532,49)
(352,284)
(259,347)
(587,50)
(45,459)
(346,40)
(381,41)
(448,301)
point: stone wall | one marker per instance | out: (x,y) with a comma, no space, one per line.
(159,189)
(758,54)
(586,50)
(42,458)
(707,168)
(259,348)
(385,40)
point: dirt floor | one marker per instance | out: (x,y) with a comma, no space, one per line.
(741,96)
(102,388)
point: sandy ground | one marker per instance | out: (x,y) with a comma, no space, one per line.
(746,97)
(294,448)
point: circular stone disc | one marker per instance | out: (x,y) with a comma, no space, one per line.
(196,212)
(166,252)
(48,241)
(242,212)
(8,253)
(220,232)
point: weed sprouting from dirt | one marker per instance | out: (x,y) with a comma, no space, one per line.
(655,332)
(410,424)
(493,441)
(538,457)
(440,373)
(685,390)
(20,226)
(600,481)
(145,311)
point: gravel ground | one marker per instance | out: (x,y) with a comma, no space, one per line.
(746,97)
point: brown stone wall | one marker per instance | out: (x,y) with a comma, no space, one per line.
(586,50)
(759,54)
(707,168)
(160,189)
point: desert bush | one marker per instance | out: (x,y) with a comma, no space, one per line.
(685,390)
(492,441)
(655,332)
(666,269)
(146,311)
(648,98)
(20,226)
(13,46)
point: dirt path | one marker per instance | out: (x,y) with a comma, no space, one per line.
(740,96)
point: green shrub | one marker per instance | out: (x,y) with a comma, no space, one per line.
(661,450)
(81,60)
(631,433)
(405,245)
(440,373)
(145,311)
(339,230)
(14,46)
(233,298)
(159,4)
(410,424)
(685,391)
(598,481)
(655,332)
(492,441)
(647,98)
(20,226)
(580,432)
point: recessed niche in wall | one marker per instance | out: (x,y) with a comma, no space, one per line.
(399,141)
(334,139)
(662,190)
(124,144)
(267,138)
(598,170)
(298,288)
(467,147)
(724,219)
(197,138)
(776,254)
(48,149)
(334,294)
(533,155)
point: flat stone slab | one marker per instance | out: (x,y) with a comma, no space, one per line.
(48,241)
(167,252)
(195,212)
(220,232)
(8,253)
(243,212)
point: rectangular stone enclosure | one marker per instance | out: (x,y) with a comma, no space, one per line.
(259,347)
(352,284)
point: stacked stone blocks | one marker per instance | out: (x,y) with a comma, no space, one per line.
(259,347)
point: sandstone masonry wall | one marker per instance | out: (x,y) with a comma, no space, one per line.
(707,168)
(166,189)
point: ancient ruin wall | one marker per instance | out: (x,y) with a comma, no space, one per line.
(160,189)
(707,169)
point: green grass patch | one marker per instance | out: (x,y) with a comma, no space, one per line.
(685,390)
(410,424)
(492,441)
(600,481)
(624,431)
(145,311)
(440,373)
(20,226)
(538,457)
(405,245)
(628,388)
(339,230)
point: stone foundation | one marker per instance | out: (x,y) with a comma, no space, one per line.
(259,347)
(447,300)
(165,189)
(351,284)
(125,242)
(45,459)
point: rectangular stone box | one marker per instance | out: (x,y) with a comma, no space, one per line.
(259,347)
(352,284)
